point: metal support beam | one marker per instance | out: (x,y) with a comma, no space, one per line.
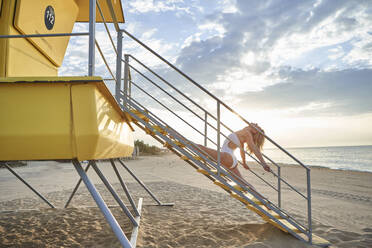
(102,205)
(133,237)
(309,206)
(118,66)
(279,189)
(125,188)
(126,79)
(92,37)
(129,81)
(144,186)
(205,128)
(29,186)
(113,193)
(218,138)
(76,187)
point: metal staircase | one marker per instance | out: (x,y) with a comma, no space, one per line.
(172,138)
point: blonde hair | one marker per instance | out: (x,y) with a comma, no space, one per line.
(258,138)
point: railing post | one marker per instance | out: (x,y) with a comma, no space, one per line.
(279,189)
(218,137)
(129,83)
(118,66)
(126,77)
(205,129)
(309,205)
(92,37)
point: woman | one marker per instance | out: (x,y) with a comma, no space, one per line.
(249,135)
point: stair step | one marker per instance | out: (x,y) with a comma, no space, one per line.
(274,214)
(285,223)
(149,131)
(179,144)
(202,171)
(159,129)
(167,145)
(249,196)
(140,115)
(262,214)
(232,184)
(256,210)
(183,157)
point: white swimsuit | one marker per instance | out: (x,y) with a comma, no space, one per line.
(225,147)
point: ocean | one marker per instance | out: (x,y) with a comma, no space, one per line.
(356,158)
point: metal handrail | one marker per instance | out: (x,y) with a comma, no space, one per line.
(192,127)
(152,82)
(147,78)
(202,120)
(183,138)
(308,198)
(192,101)
(259,196)
(281,179)
(179,117)
(208,93)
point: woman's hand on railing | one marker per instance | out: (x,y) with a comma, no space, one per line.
(246,166)
(266,167)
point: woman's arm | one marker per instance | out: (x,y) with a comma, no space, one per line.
(242,154)
(257,152)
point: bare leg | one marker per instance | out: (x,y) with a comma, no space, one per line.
(226,161)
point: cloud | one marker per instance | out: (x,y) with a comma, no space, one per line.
(315,92)
(242,50)
(145,6)
(278,33)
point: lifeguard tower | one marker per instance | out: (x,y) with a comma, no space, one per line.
(47,117)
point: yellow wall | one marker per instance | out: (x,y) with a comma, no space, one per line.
(36,121)
(34,56)
(99,128)
(61,118)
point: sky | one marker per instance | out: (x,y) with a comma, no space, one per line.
(301,69)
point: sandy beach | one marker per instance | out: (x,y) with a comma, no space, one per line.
(203,214)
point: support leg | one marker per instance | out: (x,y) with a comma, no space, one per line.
(29,186)
(113,193)
(133,237)
(102,205)
(125,188)
(143,185)
(76,187)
